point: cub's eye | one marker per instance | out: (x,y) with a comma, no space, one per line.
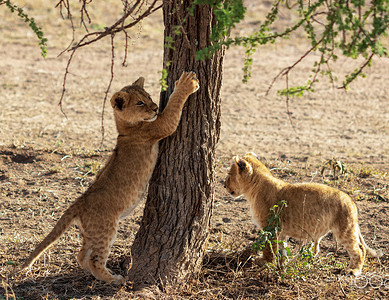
(140,103)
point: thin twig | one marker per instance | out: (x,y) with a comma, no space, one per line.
(126,35)
(108,88)
(361,68)
(115,28)
(286,70)
(70,17)
(287,104)
(64,80)
(83,11)
(118,26)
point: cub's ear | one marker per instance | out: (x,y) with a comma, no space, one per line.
(139,82)
(253,154)
(117,101)
(241,163)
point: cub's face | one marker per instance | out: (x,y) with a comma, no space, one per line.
(233,180)
(133,104)
(240,175)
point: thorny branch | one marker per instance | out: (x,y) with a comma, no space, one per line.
(131,10)
(285,72)
(326,45)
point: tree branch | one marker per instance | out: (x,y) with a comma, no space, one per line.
(117,27)
(286,70)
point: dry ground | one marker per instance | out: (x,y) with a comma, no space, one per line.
(47,160)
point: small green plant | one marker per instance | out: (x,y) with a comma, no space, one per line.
(300,267)
(92,167)
(163,81)
(335,166)
(86,170)
(268,236)
(31,23)
(10,263)
(307,253)
(295,269)
(55,170)
(169,43)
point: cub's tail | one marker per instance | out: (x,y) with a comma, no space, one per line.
(62,225)
(369,251)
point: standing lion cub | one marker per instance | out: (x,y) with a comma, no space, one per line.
(312,209)
(119,186)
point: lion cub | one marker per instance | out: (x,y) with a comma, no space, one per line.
(119,186)
(312,209)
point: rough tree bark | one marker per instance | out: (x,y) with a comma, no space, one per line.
(171,240)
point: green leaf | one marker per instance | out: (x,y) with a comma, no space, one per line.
(31,23)
(10,263)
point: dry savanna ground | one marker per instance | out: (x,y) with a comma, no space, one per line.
(47,160)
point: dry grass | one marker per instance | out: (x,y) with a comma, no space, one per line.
(230,270)
(224,275)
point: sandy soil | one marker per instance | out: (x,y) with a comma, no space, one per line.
(47,159)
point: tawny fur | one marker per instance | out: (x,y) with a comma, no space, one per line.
(312,209)
(119,186)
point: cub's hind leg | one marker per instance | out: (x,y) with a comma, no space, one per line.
(96,255)
(83,255)
(356,251)
(97,266)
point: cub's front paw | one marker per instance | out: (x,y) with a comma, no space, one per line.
(188,83)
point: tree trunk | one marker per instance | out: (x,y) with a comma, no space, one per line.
(171,240)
